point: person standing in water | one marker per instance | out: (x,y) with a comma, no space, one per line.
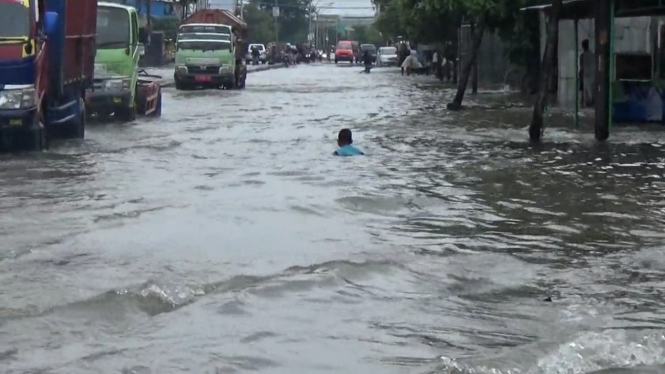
(588,74)
(367,60)
(344,141)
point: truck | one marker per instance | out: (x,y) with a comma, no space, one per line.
(210,51)
(47,52)
(119,88)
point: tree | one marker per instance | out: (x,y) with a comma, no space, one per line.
(293,22)
(536,127)
(260,24)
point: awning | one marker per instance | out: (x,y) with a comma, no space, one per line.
(582,9)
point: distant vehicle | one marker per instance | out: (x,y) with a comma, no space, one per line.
(344,51)
(371,48)
(263,58)
(386,56)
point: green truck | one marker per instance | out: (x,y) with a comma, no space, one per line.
(209,51)
(119,88)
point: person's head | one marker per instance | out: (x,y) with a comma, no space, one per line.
(344,137)
(585,44)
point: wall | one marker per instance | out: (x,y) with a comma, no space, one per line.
(493,63)
(631,35)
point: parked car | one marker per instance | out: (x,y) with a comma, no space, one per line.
(386,56)
(344,51)
(371,48)
(263,58)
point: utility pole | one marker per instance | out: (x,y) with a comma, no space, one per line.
(275,14)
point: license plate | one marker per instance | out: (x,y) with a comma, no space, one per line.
(202,78)
(117,100)
(15,122)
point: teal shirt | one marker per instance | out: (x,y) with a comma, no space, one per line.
(348,150)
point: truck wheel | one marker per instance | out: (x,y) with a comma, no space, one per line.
(158,105)
(126,114)
(180,86)
(33,139)
(75,128)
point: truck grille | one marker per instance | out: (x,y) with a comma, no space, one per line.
(98,84)
(196,69)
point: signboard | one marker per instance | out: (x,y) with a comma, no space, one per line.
(218,29)
(275,11)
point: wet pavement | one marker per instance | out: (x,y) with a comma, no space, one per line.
(226,238)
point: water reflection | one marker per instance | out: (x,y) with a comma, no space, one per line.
(226,237)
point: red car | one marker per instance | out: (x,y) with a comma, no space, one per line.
(344,51)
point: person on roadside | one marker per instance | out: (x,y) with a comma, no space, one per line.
(367,61)
(345,141)
(436,65)
(410,63)
(588,74)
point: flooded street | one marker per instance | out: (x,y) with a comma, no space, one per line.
(226,238)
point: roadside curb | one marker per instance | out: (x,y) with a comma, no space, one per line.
(168,82)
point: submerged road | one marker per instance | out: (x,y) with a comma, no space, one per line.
(226,238)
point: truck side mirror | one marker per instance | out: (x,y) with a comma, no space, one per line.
(50,23)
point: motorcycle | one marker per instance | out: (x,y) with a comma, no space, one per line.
(286,59)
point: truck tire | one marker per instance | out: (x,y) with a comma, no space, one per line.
(158,105)
(126,114)
(75,128)
(180,86)
(33,139)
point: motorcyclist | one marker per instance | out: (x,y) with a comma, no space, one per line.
(255,55)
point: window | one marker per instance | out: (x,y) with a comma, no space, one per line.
(135,29)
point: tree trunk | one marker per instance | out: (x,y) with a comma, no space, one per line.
(474,69)
(477,38)
(536,127)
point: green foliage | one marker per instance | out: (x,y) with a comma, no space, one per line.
(437,21)
(369,35)
(293,18)
(260,24)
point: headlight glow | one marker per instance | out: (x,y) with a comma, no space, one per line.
(225,69)
(181,69)
(17,99)
(116,84)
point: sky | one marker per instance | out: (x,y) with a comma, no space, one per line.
(349,8)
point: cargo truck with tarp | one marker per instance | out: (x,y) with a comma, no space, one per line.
(47,52)
(210,51)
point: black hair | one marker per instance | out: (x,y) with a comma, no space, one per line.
(585,44)
(345,136)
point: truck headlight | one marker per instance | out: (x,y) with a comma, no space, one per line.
(225,69)
(182,69)
(17,99)
(117,84)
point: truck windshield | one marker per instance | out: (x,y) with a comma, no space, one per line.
(14,20)
(197,36)
(112,28)
(204,45)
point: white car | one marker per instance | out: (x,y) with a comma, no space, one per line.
(262,57)
(386,56)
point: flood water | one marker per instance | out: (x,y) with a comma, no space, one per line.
(226,238)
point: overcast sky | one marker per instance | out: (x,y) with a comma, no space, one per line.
(351,8)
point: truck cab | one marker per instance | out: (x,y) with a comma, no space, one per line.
(205,56)
(116,62)
(41,87)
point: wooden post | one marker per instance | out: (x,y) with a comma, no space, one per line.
(603,99)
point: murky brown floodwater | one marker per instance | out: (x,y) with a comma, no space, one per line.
(226,238)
